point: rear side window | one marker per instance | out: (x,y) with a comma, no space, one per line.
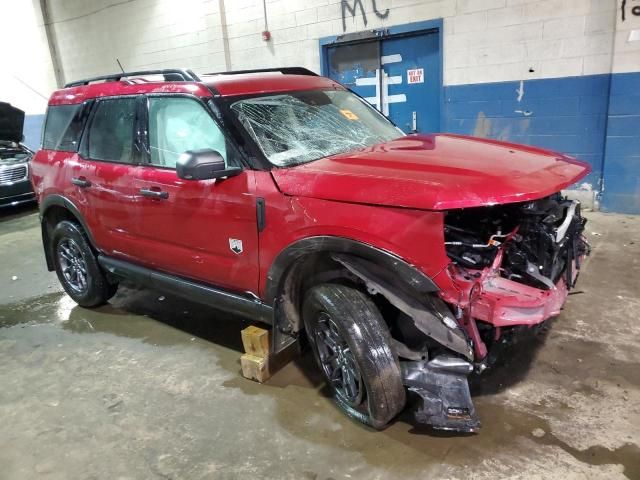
(62,128)
(111,133)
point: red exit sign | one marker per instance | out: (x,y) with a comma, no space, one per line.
(415,75)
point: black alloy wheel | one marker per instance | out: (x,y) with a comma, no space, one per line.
(77,266)
(337,361)
(72,264)
(352,345)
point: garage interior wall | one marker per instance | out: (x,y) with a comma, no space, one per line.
(27,77)
(560,74)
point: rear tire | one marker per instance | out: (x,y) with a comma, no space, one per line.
(77,267)
(352,346)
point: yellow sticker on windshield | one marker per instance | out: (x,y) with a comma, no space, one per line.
(348,114)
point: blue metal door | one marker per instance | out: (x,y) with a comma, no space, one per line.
(411,72)
(356,66)
(399,75)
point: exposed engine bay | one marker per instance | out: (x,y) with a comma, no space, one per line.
(542,240)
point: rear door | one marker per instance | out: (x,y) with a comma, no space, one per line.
(103,172)
(201,229)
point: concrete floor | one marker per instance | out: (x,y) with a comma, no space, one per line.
(149,387)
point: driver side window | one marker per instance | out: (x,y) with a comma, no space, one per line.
(178,124)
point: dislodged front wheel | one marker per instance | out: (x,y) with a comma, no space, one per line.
(352,346)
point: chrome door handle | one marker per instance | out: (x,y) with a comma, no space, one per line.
(81,182)
(146,192)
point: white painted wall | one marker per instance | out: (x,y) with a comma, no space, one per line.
(26,78)
(90,35)
(554,38)
(485,40)
(627,41)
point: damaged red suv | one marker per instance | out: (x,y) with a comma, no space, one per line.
(280,196)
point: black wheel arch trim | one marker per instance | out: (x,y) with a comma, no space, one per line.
(429,313)
(56,200)
(406,272)
(287,319)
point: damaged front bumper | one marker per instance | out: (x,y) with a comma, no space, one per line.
(526,275)
(526,280)
(504,303)
(443,391)
(511,266)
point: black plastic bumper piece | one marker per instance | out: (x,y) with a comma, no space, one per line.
(16,194)
(445,401)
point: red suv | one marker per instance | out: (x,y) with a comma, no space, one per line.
(281,196)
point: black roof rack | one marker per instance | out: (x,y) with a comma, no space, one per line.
(170,75)
(284,70)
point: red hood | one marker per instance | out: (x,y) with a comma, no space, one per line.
(434,172)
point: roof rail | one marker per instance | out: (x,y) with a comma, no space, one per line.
(170,75)
(284,70)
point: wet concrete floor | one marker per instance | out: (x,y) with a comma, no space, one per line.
(149,386)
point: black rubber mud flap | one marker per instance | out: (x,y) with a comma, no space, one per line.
(445,401)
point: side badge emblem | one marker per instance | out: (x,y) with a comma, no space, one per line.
(235,245)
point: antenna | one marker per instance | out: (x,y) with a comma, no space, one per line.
(120,65)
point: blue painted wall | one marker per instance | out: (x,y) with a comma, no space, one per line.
(595,118)
(33,130)
(564,114)
(621,191)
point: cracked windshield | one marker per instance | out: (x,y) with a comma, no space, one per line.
(299,127)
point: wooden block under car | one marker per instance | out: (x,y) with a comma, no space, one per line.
(255,341)
(258,363)
(255,368)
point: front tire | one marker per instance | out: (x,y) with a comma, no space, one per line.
(77,267)
(352,346)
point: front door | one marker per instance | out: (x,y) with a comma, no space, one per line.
(201,229)
(399,75)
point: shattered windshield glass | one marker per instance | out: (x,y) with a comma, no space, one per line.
(298,127)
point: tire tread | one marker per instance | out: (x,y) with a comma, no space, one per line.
(380,368)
